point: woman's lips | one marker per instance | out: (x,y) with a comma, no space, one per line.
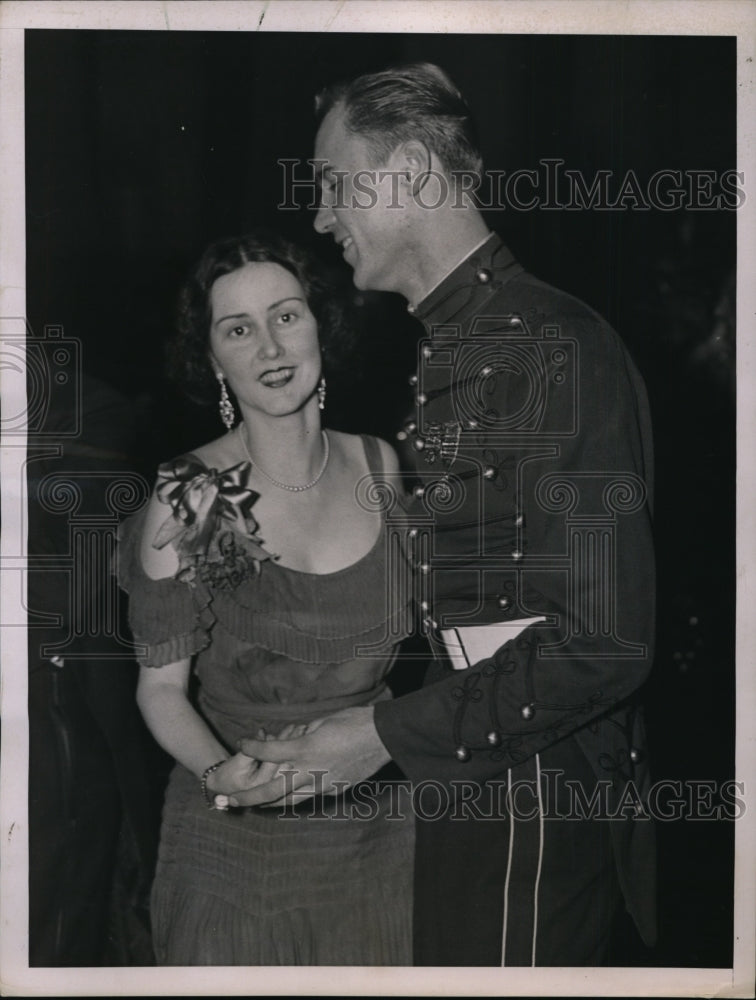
(278,378)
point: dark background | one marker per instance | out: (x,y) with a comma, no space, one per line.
(143,146)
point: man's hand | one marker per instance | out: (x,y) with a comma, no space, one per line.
(334,753)
(242,772)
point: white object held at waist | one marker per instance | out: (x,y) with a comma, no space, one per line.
(472,643)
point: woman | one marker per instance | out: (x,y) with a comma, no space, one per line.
(256,573)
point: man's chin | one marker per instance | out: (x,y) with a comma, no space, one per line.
(359,278)
(366,282)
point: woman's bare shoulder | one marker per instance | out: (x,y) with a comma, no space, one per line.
(389,456)
(156,563)
(221,453)
(352,446)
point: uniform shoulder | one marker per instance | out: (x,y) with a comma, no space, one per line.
(542,298)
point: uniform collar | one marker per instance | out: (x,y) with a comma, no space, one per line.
(485,268)
(451,270)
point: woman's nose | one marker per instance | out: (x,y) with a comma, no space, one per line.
(269,346)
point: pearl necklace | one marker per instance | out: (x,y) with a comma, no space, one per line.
(287,486)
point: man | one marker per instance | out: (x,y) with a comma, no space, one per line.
(532,507)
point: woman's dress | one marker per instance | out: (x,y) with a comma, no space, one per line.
(328,881)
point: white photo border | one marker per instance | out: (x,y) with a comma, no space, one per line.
(641,17)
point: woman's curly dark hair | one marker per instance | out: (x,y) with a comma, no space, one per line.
(188,351)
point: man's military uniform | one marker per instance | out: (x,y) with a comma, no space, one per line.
(532,504)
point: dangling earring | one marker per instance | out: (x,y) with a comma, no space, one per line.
(321,392)
(225,405)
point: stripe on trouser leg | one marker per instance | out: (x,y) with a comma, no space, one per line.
(540,857)
(524,865)
(509,872)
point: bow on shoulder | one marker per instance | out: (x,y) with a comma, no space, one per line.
(203,501)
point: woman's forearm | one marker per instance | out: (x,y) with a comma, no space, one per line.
(177,726)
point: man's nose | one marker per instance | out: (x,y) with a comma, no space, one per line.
(324,218)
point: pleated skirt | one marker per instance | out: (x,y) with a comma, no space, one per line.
(326,883)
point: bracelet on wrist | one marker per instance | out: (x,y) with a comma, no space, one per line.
(208,796)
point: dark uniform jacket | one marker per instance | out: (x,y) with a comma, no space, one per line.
(533,498)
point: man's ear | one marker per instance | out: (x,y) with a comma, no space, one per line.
(417,156)
(412,160)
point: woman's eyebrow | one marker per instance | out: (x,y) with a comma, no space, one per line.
(288,298)
(231,316)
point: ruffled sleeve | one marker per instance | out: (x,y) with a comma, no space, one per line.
(169,620)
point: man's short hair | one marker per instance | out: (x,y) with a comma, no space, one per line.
(415,101)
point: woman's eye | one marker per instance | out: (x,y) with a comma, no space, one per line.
(287,318)
(237,331)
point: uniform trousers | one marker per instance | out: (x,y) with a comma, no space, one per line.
(512,878)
